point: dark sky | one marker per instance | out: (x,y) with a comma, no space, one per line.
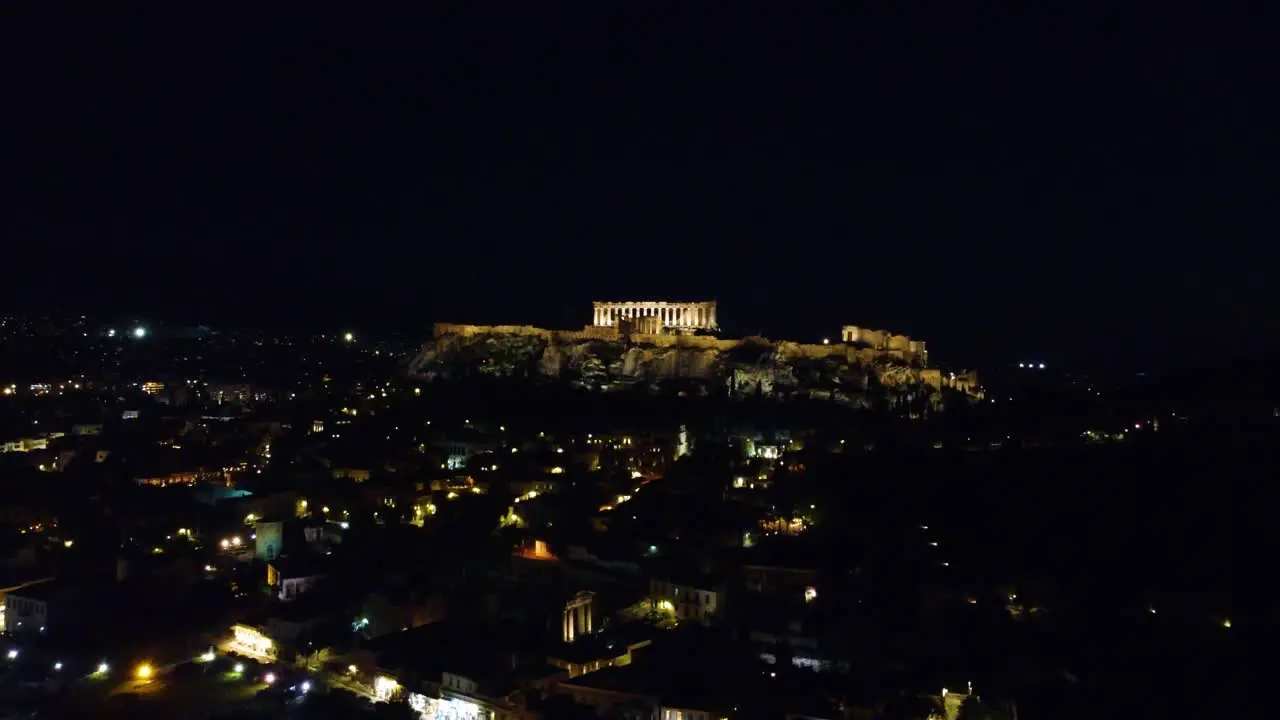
(1064,186)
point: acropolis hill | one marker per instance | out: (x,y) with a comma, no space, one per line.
(653,343)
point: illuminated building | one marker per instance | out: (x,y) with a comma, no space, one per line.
(252,641)
(290,577)
(687,602)
(577,616)
(269,542)
(580,664)
(681,316)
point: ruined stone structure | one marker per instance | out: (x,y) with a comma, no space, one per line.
(650,343)
(675,315)
(885,340)
(577,616)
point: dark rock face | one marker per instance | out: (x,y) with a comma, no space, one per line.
(752,367)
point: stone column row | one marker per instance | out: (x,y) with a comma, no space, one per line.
(696,315)
(577,621)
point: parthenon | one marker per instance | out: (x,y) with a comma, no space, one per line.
(678,315)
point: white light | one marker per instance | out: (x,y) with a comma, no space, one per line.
(139,332)
(269,678)
(57,666)
(306,685)
(103,668)
(1022,365)
(239,667)
(349,337)
(13,654)
(1041,366)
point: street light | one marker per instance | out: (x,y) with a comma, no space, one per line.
(144,671)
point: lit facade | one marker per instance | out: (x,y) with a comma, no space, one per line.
(251,641)
(675,315)
(690,603)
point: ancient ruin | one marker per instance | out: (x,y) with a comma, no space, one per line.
(680,316)
(654,343)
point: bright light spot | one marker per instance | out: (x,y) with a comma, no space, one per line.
(269,678)
(207,656)
(826,341)
(810,594)
(1226,623)
(306,685)
(344,525)
(111,333)
(349,337)
(13,655)
(352,669)
(1041,366)
(103,668)
(384,687)
(143,672)
(57,666)
(239,667)
(225,543)
(139,332)
(68,543)
(236,541)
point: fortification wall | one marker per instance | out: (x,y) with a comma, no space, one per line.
(899,346)
(441,329)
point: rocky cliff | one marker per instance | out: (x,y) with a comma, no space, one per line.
(600,359)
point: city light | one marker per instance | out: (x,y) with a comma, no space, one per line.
(206,656)
(269,678)
(139,332)
(144,671)
(12,654)
(239,668)
(57,666)
(384,687)
(349,337)
(103,668)
(306,685)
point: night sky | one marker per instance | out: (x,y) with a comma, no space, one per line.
(1068,187)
